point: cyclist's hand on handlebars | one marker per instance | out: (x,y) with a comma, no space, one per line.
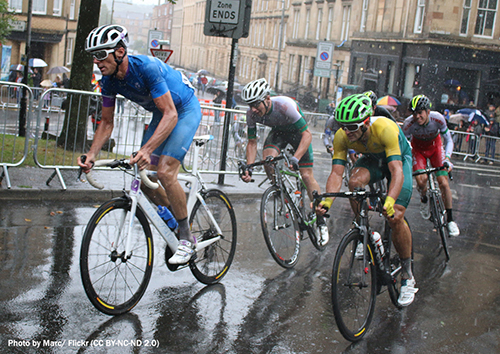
(140,158)
(447,163)
(86,162)
(389,206)
(246,176)
(294,163)
(329,149)
(323,207)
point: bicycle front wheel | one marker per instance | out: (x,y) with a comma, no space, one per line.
(212,262)
(280,228)
(114,281)
(439,216)
(354,286)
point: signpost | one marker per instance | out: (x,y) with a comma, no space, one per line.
(162,54)
(324,56)
(154,38)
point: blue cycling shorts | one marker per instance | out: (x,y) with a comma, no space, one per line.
(178,142)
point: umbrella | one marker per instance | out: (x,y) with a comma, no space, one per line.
(19,67)
(37,63)
(46,83)
(58,70)
(474,114)
(388,101)
(391,109)
(456,118)
(202,72)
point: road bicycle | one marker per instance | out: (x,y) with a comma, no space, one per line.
(360,273)
(116,257)
(436,205)
(283,216)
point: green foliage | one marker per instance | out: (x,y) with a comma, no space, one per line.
(5,27)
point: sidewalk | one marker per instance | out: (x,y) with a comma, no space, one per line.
(30,183)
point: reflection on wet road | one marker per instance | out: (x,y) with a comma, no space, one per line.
(259,307)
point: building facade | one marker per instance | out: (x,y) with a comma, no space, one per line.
(53,31)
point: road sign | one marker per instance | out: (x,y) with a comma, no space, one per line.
(227,18)
(225,11)
(162,54)
(153,39)
(324,56)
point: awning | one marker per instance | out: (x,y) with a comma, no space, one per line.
(36,37)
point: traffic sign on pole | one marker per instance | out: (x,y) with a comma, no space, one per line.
(153,39)
(162,54)
(324,56)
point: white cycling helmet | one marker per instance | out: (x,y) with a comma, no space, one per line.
(255,91)
(106,37)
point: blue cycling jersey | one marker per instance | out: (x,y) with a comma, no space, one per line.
(147,78)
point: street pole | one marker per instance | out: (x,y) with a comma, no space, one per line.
(280,45)
(229,101)
(24,94)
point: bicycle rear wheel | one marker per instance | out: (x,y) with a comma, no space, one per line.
(353,287)
(439,216)
(280,228)
(113,282)
(212,263)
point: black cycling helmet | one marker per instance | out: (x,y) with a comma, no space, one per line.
(354,109)
(420,102)
(372,96)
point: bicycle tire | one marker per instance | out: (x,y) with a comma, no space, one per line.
(393,263)
(113,284)
(353,304)
(280,228)
(438,216)
(212,263)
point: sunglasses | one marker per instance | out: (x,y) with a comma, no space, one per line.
(102,54)
(255,104)
(352,127)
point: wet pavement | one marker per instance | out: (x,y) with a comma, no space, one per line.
(258,307)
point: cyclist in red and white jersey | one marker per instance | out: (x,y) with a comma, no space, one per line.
(425,129)
(288,126)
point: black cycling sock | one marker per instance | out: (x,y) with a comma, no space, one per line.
(406,269)
(320,220)
(449,215)
(184,233)
(423,199)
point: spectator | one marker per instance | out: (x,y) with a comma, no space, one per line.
(490,112)
(457,138)
(198,84)
(490,131)
(476,129)
(330,109)
(58,82)
(446,115)
(65,81)
(204,82)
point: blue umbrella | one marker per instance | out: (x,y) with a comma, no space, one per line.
(474,114)
(452,83)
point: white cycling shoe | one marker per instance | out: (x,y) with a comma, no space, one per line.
(407,292)
(425,211)
(184,252)
(453,229)
(323,234)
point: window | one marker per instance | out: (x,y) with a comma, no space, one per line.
(485,21)
(346,18)
(364,15)
(308,20)
(56,11)
(69,51)
(16,5)
(275,34)
(419,16)
(296,19)
(318,27)
(330,23)
(40,7)
(72,10)
(264,36)
(465,18)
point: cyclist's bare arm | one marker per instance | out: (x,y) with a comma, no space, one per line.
(397,179)
(251,154)
(102,134)
(333,185)
(167,123)
(304,144)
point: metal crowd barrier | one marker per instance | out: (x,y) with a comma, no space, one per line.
(486,148)
(465,144)
(54,146)
(14,148)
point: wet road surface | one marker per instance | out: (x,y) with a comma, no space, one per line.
(259,307)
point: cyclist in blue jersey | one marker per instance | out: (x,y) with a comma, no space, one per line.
(176,115)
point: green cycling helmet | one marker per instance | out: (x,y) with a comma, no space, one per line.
(420,102)
(372,96)
(354,109)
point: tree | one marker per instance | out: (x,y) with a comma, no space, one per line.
(7,16)
(81,75)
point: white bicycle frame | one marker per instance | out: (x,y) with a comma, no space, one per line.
(138,198)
